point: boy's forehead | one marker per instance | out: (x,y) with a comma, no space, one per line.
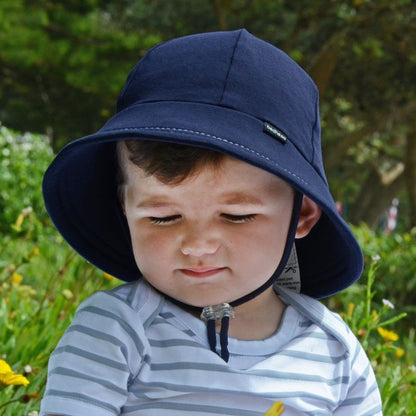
(235,180)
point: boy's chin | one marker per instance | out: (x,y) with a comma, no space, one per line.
(202,301)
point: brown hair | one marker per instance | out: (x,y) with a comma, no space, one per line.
(169,163)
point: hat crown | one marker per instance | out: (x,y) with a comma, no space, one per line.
(234,70)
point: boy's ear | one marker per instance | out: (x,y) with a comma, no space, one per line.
(310,213)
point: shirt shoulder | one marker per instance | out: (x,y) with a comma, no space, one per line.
(101,352)
(360,393)
(136,296)
(317,313)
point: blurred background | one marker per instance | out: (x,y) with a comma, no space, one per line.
(62,66)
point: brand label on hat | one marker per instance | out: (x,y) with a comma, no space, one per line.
(274,132)
(290,277)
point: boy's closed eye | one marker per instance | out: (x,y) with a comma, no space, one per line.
(232,218)
(164,220)
(239,219)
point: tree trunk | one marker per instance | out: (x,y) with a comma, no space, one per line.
(334,154)
(220,12)
(323,65)
(374,199)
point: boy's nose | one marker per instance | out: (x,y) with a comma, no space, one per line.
(199,244)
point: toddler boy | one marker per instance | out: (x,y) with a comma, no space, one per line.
(206,193)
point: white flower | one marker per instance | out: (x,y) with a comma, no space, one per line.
(27,369)
(387,303)
(27,211)
(68,294)
(376,258)
(412,367)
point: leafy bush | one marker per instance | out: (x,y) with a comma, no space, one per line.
(390,351)
(23,160)
(41,284)
(380,311)
(397,254)
(396,267)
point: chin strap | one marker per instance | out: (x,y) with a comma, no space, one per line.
(224,311)
(213,314)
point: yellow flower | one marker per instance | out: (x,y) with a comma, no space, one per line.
(399,352)
(276,410)
(19,221)
(387,335)
(9,378)
(17,278)
(35,252)
(17,226)
(109,276)
(12,314)
(350,309)
(4,367)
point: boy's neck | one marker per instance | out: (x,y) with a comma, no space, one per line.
(258,318)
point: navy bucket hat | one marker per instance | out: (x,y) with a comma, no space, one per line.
(225,91)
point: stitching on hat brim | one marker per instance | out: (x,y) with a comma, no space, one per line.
(182,130)
(203,105)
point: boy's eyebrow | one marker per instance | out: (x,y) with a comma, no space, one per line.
(238,198)
(153,203)
(229,198)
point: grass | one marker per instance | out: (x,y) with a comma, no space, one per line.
(41,284)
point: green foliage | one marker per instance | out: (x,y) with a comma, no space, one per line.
(381,299)
(390,352)
(23,160)
(41,285)
(63,64)
(397,266)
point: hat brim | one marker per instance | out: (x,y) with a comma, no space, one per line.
(80,188)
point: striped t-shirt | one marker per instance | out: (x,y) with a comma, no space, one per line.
(129,351)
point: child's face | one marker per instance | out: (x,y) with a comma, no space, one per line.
(213,238)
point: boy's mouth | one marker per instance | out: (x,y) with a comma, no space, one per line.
(200,272)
